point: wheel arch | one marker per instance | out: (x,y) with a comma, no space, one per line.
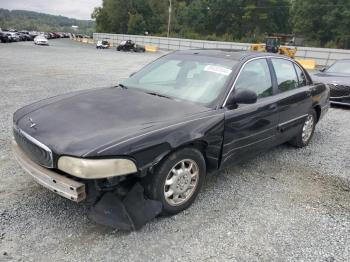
(199,144)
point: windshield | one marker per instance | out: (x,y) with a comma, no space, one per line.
(341,67)
(191,78)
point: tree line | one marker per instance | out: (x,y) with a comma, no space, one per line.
(29,20)
(322,23)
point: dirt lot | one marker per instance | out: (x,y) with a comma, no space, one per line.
(285,205)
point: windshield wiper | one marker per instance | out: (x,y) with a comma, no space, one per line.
(122,86)
(160,95)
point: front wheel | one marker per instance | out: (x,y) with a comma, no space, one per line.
(306,132)
(177,180)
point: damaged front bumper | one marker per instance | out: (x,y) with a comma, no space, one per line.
(128,212)
(53,181)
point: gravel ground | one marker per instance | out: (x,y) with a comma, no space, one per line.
(284,205)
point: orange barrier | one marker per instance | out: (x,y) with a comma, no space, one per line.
(307,63)
(150,48)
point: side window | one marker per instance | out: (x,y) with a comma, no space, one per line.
(301,76)
(286,76)
(256,76)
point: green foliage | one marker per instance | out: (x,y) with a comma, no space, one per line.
(210,19)
(136,24)
(28,20)
(323,21)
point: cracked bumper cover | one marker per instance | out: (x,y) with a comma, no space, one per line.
(53,181)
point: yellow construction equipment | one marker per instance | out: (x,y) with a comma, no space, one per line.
(273,45)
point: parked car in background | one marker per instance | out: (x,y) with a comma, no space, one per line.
(129,45)
(5,37)
(41,40)
(14,37)
(27,36)
(337,76)
(186,114)
(33,34)
(104,44)
(22,37)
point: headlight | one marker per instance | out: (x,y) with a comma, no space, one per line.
(96,168)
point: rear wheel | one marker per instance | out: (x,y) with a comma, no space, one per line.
(306,132)
(177,180)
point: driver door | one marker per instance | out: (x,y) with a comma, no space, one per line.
(249,129)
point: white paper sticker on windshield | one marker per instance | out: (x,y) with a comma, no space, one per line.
(218,70)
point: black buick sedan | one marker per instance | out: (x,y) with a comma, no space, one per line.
(337,77)
(183,115)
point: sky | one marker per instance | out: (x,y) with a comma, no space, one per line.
(80,9)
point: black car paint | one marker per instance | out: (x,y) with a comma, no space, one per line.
(130,45)
(5,37)
(127,123)
(334,80)
(113,122)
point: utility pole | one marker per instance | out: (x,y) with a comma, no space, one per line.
(169,20)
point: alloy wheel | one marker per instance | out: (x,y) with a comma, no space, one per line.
(181,182)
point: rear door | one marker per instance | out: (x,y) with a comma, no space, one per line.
(294,96)
(251,128)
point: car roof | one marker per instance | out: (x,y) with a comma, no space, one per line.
(232,54)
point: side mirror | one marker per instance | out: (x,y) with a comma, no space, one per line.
(132,74)
(323,69)
(243,96)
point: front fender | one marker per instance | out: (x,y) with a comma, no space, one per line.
(150,148)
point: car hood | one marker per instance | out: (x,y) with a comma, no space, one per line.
(77,123)
(331,78)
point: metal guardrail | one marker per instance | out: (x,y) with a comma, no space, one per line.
(322,56)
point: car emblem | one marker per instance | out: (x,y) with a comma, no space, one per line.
(32,124)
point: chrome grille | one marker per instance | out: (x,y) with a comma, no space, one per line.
(339,90)
(35,150)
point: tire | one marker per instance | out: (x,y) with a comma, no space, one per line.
(300,140)
(185,185)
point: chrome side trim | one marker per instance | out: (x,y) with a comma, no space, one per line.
(292,120)
(337,97)
(255,134)
(61,185)
(253,143)
(340,103)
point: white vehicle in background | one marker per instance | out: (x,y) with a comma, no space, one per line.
(104,44)
(41,40)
